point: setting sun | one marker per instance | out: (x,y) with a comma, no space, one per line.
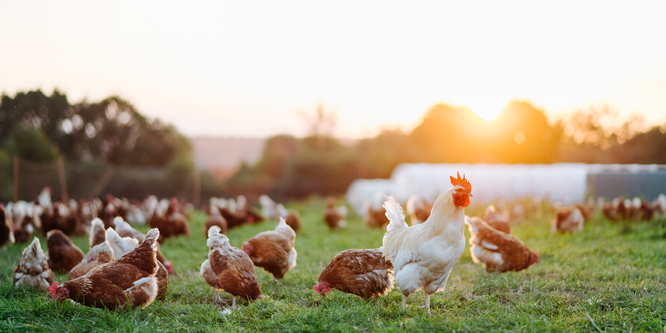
(248,68)
(486,109)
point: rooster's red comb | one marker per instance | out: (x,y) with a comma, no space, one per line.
(462,182)
(52,288)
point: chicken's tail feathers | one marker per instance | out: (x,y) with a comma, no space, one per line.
(395,214)
(152,234)
(112,236)
(151,238)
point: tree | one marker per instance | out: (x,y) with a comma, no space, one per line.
(32,110)
(321,123)
(31,144)
(111,130)
(378,156)
(522,134)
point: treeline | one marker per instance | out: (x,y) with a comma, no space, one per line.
(320,164)
(109,134)
(143,155)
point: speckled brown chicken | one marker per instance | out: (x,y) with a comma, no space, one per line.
(228,268)
(362,272)
(498,251)
(62,254)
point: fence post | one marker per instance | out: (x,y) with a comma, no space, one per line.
(16,178)
(63,182)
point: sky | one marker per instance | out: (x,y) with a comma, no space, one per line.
(252,68)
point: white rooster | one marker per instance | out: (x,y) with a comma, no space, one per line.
(424,254)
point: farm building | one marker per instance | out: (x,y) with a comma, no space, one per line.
(563,182)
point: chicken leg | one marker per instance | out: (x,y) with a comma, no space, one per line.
(218,300)
(404,301)
(427,303)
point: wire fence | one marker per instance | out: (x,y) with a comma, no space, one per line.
(85,180)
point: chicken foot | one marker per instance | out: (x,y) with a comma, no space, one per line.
(427,303)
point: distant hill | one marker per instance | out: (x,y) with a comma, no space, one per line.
(223,156)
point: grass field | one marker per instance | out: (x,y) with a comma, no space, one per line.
(610,277)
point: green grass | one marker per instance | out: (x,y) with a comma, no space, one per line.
(610,277)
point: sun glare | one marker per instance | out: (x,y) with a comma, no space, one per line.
(487,110)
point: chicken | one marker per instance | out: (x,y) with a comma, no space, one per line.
(62,254)
(127,281)
(334,216)
(374,215)
(660,204)
(130,212)
(87,211)
(125,230)
(657,211)
(172,223)
(22,233)
(228,211)
(228,268)
(633,209)
(33,269)
(293,219)
(124,245)
(418,209)
(496,220)
(100,254)
(215,218)
(72,220)
(586,210)
(43,201)
(97,232)
(648,210)
(610,212)
(268,207)
(273,250)
(59,216)
(364,273)
(498,251)
(26,220)
(291,216)
(423,255)
(252,214)
(107,213)
(6,228)
(568,219)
